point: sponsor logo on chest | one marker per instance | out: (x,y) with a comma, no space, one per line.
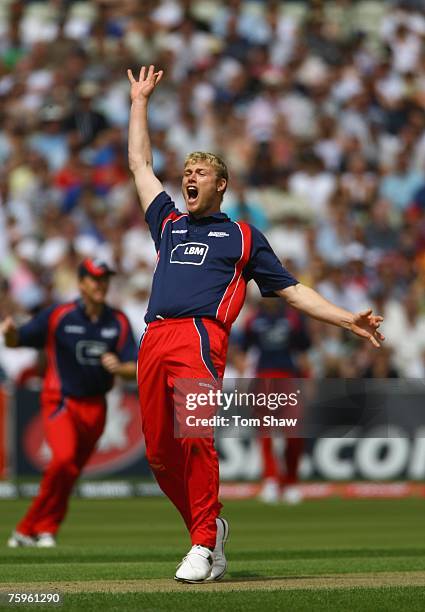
(189,253)
(218,234)
(74,329)
(108,332)
(89,352)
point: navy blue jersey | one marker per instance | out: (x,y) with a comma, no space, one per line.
(277,335)
(74,345)
(204,264)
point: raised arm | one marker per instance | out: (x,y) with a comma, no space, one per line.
(364,324)
(139,146)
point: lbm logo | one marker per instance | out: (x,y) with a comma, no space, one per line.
(191,253)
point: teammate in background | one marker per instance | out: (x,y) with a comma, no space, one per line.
(204,263)
(87,343)
(277,333)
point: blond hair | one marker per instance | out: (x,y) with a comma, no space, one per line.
(216,162)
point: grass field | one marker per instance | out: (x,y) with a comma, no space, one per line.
(337,555)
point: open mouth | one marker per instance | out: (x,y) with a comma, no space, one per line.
(192,193)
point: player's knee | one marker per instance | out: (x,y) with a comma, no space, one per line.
(195,447)
(156,460)
(65,466)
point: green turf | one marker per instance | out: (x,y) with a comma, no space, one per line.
(144,539)
(384,599)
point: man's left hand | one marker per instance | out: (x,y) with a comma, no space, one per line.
(110,362)
(365,324)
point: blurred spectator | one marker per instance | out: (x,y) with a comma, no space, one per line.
(406,46)
(380,233)
(313,182)
(84,123)
(333,235)
(401,183)
(240,206)
(381,366)
(405,331)
(190,134)
(358,183)
(337,288)
(288,240)
(50,140)
(136,302)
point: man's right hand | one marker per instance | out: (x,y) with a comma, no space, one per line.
(142,89)
(9,331)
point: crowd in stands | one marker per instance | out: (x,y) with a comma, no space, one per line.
(318,108)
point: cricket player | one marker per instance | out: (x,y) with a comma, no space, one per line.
(204,261)
(87,343)
(278,334)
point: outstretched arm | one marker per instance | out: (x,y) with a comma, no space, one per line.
(364,324)
(139,146)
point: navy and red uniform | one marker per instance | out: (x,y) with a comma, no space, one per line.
(73,400)
(277,334)
(198,289)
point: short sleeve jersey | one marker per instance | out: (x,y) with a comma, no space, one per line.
(203,265)
(74,345)
(277,335)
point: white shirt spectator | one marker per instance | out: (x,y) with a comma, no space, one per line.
(184,140)
(138,247)
(391,87)
(407,339)
(14,361)
(419,153)
(299,113)
(169,13)
(316,189)
(289,243)
(330,152)
(261,118)
(350,296)
(406,53)
(135,304)
(188,51)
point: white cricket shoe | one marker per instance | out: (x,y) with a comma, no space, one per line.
(270,491)
(292,495)
(17,540)
(45,540)
(196,565)
(219,560)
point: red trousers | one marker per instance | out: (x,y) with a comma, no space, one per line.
(293,446)
(186,468)
(72,427)
(272,468)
